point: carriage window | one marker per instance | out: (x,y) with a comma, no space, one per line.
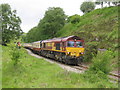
(70,43)
(44,45)
(79,44)
(40,45)
(57,46)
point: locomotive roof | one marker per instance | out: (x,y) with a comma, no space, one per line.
(37,42)
(62,39)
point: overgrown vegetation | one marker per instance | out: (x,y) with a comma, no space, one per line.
(102,62)
(100,68)
(33,72)
(15,52)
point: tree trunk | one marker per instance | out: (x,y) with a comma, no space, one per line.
(101,4)
(109,4)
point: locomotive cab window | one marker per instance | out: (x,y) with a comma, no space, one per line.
(70,43)
(79,44)
(57,46)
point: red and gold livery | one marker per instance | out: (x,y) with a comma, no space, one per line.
(69,50)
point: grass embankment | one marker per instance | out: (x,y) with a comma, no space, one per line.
(99,22)
(32,72)
(0,67)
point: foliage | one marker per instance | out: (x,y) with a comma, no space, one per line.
(102,2)
(74,19)
(91,50)
(99,2)
(102,62)
(87,7)
(53,21)
(116,2)
(15,53)
(10,24)
(100,68)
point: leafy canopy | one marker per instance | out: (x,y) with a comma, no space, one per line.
(52,22)
(87,7)
(10,24)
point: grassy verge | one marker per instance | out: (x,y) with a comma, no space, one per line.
(32,72)
(0,67)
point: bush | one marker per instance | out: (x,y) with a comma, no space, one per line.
(90,51)
(102,62)
(74,19)
(15,53)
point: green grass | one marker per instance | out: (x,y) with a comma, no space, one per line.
(0,67)
(32,72)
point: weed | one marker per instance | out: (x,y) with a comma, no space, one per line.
(15,53)
(102,62)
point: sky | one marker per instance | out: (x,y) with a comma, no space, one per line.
(31,11)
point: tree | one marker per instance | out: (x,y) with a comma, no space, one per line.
(53,21)
(116,2)
(101,2)
(10,24)
(32,35)
(87,7)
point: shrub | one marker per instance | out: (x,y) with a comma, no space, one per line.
(15,53)
(90,51)
(75,19)
(102,62)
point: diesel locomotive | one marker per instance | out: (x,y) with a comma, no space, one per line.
(69,50)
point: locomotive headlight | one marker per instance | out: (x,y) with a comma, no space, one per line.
(68,52)
(82,53)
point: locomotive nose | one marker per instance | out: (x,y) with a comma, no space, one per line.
(71,51)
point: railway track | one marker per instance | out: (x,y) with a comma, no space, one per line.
(81,68)
(113,76)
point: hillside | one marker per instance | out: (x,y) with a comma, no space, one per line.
(100,25)
(98,28)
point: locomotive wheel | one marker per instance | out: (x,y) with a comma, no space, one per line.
(60,59)
(66,61)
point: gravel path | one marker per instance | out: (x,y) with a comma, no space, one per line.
(65,67)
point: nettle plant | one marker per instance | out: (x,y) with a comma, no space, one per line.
(15,53)
(102,62)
